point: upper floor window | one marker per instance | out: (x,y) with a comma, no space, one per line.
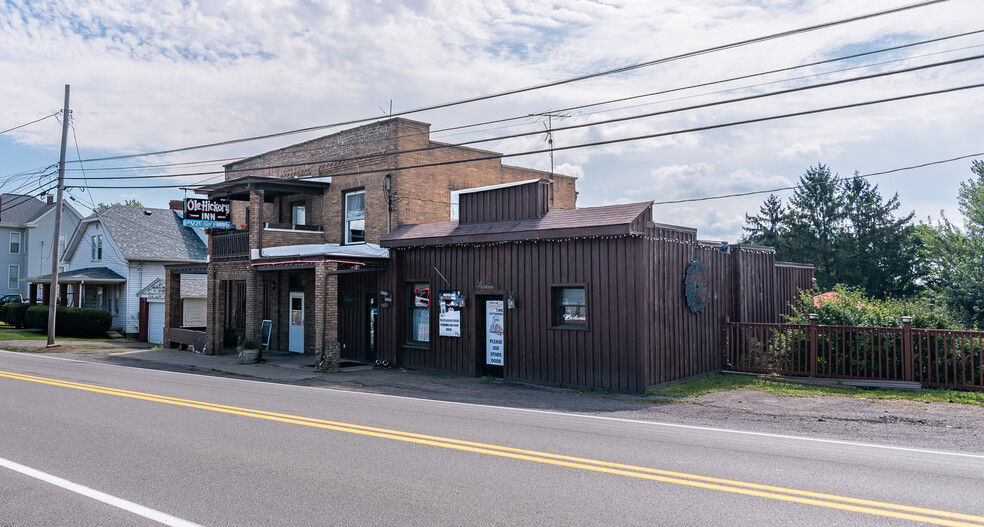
(15,242)
(13,277)
(97,247)
(455,199)
(298,213)
(61,245)
(355,217)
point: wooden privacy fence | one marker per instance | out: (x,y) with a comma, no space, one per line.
(932,357)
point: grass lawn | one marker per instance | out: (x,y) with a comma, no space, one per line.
(718,382)
(9,333)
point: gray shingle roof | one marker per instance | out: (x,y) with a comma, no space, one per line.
(18,209)
(89,274)
(143,233)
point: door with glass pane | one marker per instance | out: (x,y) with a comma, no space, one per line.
(295,339)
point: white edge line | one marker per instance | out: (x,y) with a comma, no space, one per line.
(550,412)
(119,503)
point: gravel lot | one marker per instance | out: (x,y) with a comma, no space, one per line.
(936,426)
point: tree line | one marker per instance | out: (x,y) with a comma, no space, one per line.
(857,238)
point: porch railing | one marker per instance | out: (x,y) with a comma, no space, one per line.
(931,357)
(230,246)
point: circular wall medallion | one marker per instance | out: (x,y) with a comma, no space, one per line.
(696,286)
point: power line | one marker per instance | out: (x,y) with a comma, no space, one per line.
(794,187)
(628,139)
(563,128)
(622,99)
(30,123)
(579,78)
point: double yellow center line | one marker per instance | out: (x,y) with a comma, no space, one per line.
(831,501)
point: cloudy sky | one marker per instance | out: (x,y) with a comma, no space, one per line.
(153,76)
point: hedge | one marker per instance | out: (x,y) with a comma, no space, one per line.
(71,321)
(13,313)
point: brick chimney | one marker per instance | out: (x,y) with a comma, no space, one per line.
(51,199)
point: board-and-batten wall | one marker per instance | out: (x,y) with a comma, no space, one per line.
(604,355)
(640,331)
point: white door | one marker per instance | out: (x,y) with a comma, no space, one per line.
(295,339)
(155,322)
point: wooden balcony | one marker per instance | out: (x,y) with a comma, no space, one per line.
(228,246)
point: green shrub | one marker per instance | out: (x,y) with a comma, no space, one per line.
(848,306)
(71,321)
(13,313)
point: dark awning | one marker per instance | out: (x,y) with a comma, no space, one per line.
(89,275)
(239,189)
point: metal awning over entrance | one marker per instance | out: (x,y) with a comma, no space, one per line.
(239,189)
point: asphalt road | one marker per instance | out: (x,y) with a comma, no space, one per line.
(140,447)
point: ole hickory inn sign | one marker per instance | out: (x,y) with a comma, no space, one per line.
(203,212)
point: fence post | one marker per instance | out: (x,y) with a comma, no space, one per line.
(814,320)
(907,355)
(727,342)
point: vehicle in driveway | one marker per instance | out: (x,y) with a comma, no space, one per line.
(17,297)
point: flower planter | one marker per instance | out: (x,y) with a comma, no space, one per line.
(248,356)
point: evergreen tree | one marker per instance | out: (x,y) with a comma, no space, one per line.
(768,227)
(815,220)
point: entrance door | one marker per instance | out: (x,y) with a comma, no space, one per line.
(492,332)
(295,337)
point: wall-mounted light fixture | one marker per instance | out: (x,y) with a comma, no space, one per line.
(511,301)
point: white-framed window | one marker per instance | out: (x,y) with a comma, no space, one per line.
(15,242)
(13,276)
(97,247)
(61,244)
(455,199)
(355,217)
(298,213)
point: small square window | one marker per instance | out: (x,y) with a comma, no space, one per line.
(570,308)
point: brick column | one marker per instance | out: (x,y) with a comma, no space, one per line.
(172,302)
(327,348)
(215,314)
(63,294)
(254,306)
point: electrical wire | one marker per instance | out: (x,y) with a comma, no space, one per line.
(30,123)
(798,186)
(369,157)
(664,60)
(624,139)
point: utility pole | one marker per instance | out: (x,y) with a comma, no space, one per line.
(53,293)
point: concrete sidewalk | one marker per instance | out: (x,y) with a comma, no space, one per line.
(277,366)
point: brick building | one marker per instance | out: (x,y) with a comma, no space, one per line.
(304,251)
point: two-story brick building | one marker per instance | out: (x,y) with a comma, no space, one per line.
(305,254)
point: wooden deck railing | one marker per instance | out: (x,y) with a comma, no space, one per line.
(931,357)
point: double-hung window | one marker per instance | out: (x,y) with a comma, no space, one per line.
(355,217)
(15,242)
(298,213)
(13,277)
(97,248)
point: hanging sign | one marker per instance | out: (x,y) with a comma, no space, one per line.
(211,213)
(449,317)
(494,332)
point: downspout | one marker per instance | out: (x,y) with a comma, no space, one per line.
(259,227)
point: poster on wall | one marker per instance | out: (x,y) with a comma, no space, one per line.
(494,331)
(449,317)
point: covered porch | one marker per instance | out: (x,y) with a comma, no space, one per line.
(90,288)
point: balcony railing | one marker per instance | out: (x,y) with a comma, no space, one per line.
(230,246)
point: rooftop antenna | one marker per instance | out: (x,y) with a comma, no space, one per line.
(549,129)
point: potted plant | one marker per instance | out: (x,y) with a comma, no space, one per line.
(248,352)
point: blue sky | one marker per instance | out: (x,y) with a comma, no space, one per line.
(151,76)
